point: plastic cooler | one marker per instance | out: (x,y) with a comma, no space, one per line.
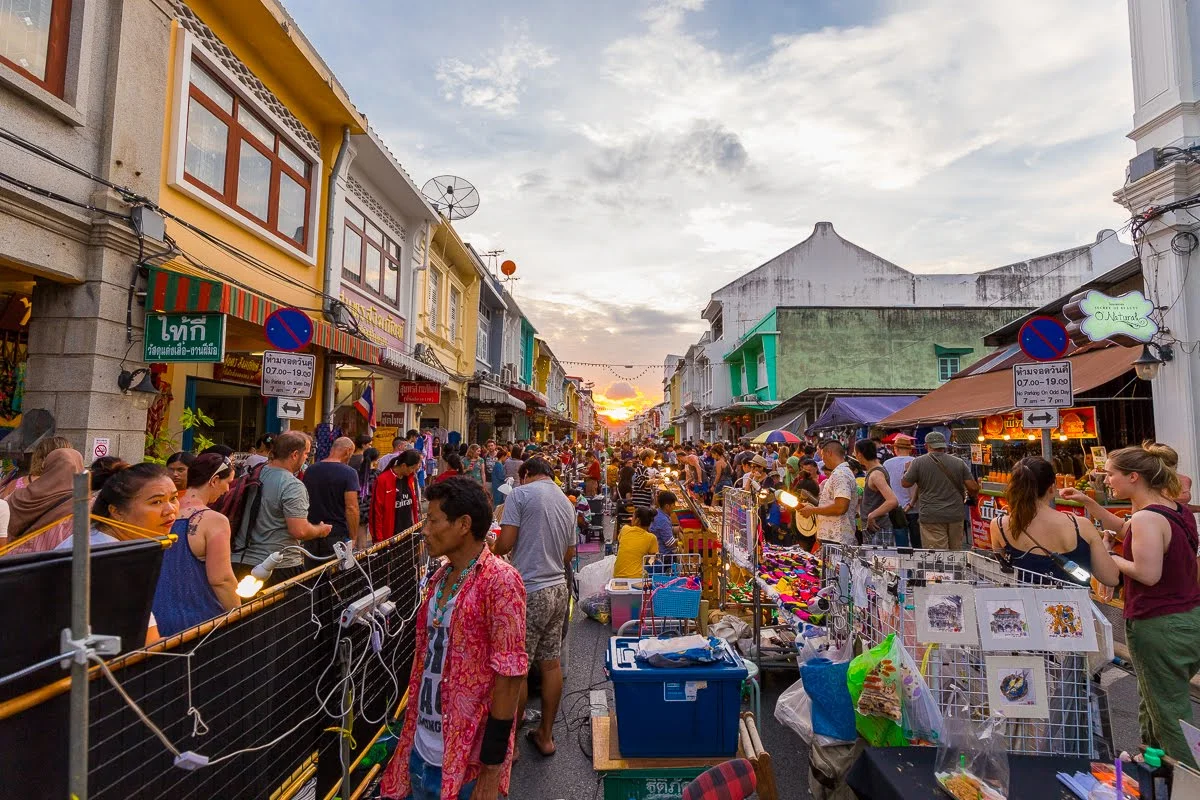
(624,600)
(675,712)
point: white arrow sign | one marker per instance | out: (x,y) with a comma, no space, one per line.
(1039,418)
(290,409)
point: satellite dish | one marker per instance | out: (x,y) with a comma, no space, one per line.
(454,197)
(508,267)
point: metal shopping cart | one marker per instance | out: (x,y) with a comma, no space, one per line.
(670,596)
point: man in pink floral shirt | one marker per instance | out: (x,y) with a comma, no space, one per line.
(470,661)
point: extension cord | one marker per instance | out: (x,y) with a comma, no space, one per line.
(364,606)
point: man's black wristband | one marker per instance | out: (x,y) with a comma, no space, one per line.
(495,741)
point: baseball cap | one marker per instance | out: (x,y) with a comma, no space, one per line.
(935,441)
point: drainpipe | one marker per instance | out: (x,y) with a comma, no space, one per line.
(327,395)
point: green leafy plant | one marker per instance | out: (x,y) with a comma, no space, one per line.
(159,447)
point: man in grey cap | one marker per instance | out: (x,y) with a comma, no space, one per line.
(943,482)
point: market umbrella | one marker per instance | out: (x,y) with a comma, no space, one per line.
(776,437)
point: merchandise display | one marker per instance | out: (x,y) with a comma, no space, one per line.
(792,579)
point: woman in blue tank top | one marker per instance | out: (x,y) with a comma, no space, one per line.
(197,581)
(1033,529)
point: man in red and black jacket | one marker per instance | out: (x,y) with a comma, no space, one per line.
(395,505)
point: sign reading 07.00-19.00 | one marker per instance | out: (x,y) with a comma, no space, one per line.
(190,338)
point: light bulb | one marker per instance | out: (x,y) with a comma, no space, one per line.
(787,499)
(1007,437)
(980,437)
(1062,437)
(249,586)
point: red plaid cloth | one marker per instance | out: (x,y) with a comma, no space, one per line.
(733,780)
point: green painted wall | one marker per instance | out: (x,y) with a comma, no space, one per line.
(877,348)
(742,361)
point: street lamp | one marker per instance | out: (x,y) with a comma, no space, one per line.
(1147,365)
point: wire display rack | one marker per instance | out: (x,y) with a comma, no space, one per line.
(880,580)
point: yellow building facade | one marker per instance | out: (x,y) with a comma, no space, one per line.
(255,123)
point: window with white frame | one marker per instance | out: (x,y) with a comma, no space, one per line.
(433,282)
(762,371)
(481,338)
(948,367)
(455,301)
(234,155)
(370,259)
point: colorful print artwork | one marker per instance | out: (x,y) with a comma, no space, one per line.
(1066,620)
(1017,686)
(1006,619)
(945,614)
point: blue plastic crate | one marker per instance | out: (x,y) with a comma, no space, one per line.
(675,712)
(674,601)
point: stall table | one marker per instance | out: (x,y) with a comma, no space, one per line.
(903,773)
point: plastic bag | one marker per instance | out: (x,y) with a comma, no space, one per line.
(921,717)
(971,760)
(832,710)
(593,578)
(730,628)
(793,710)
(597,607)
(874,682)
(680,651)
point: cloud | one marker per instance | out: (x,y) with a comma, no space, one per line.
(497,83)
(620,391)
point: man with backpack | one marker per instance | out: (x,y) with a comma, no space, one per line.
(272,509)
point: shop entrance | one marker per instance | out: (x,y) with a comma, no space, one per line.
(239,413)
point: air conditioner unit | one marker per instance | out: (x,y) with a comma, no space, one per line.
(748,398)
(508,374)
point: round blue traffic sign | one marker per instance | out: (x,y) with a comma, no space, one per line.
(289,329)
(1043,339)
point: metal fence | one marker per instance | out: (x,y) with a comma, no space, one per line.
(275,694)
(889,575)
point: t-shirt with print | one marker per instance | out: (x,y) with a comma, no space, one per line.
(405,506)
(840,528)
(283,497)
(941,497)
(429,742)
(545,520)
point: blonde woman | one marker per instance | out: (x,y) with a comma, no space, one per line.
(473,463)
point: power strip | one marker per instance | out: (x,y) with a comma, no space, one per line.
(364,606)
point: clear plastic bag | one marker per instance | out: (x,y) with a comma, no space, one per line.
(920,716)
(592,579)
(971,761)
(874,683)
(793,710)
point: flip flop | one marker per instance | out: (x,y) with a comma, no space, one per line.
(533,740)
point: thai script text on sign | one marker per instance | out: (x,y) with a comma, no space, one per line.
(192,338)
(1045,385)
(288,374)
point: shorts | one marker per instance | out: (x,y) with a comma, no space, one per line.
(545,610)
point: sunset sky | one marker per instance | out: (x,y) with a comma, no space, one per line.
(633,156)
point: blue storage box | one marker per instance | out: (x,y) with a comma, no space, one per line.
(675,712)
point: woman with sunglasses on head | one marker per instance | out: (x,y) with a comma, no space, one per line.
(197,581)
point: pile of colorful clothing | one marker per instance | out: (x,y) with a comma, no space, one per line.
(792,578)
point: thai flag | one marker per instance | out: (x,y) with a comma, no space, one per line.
(365,404)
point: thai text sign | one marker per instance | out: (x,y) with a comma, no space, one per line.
(1074,423)
(378,323)
(288,374)
(1045,385)
(183,338)
(420,392)
(239,369)
(1096,317)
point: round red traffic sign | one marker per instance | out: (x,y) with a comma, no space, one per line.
(1043,339)
(289,329)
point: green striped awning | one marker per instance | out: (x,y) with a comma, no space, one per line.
(169,291)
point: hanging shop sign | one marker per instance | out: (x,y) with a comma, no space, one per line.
(242,368)
(288,374)
(1097,317)
(423,392)
(183,338)
(504,419)
(485,415)
(1074,423)
(391,419)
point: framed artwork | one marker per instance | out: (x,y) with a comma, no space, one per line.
(1065,616)
(1017,686)
(945,614)
(1008,619)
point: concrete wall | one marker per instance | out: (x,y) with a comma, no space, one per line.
(876,348)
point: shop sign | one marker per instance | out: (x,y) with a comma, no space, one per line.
(381,440)
(1096,317)
(423,392)
(288,374)
(378,323)
(485,415)
(239,369)
(504,419)
(1074,423)
(391,419)
(183,338)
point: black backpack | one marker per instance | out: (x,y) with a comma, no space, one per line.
(241,505)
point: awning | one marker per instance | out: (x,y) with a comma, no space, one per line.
(492,395)
(786,422)
(168,291)
(416,366)
(845,411)
(992,392)
(532,398)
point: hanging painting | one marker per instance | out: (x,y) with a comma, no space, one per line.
(946,614)
(1017,686)
(1065,616)
(1008,619)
